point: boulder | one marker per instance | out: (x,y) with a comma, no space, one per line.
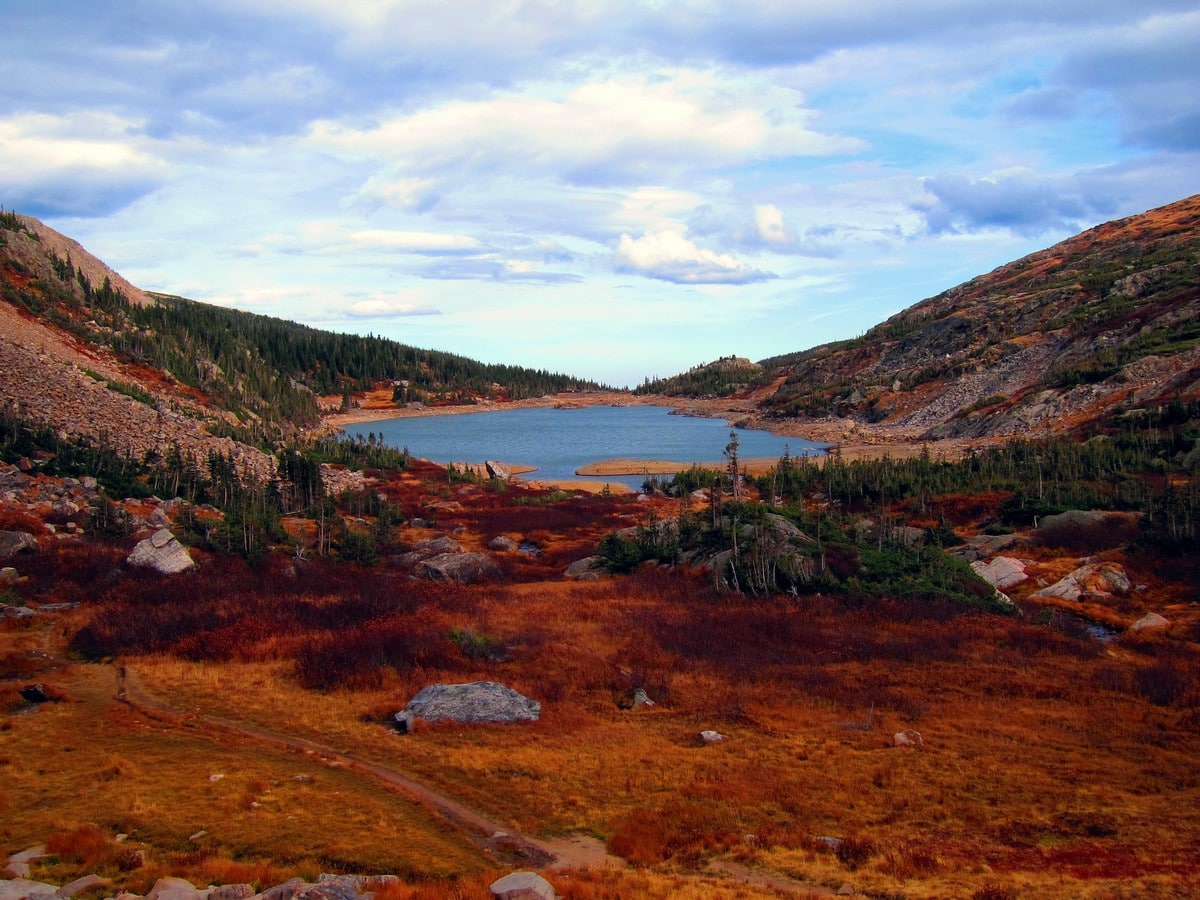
(1072,518)
(474,702)
(23,889)
(523,886)
(908,738)
(231,892)
(711,737)
(1150,620)
(9,575)
(14,542)
(1002,572)
(586,569)
(461,568)
(161,552)
(502,543)
(1092,578)
(497,470)
(79,885)
(174,889)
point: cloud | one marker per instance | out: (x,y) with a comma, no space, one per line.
(1020,202)
(669,256)
(388,308)
(414,242)
(634,130)
(88,164)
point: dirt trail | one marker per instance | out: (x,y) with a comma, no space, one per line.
(572,852)
(577,851)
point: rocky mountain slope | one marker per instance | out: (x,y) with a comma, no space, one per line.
(1102,323)
(88,354)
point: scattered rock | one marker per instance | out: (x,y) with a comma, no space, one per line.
(1150,620)
(503,544)
(523,886)
(231,892)
(79,885)
(23,889)
(497,470)
(474,702)
(161,552)
(174,889)
(461,568)
(587,569)
(1002,572)
(14,542)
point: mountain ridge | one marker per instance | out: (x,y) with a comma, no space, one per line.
(1058,340)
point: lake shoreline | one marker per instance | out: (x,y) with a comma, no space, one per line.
(847,439)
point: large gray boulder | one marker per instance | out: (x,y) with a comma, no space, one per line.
(461,568)
(161,552)
(1002,572)
(476,702)
(523,886)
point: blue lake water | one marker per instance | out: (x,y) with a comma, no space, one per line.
(559,441)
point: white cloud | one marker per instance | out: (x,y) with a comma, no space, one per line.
(669,256)
(414,241)
(389,308)
(768,220)
(632,130)
(85,163)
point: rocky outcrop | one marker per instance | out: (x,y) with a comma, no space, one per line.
(461,568)
(161,552)
(1097,580)
(1002,572)
(474,702)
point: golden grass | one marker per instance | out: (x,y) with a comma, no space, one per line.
(1032,774)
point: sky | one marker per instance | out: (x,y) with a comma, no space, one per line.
(614,190)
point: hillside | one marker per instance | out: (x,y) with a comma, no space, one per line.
(108,354)
(1106,321)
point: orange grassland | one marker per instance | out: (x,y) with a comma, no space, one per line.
(1051,765)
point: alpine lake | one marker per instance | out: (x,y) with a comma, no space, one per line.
(558,442)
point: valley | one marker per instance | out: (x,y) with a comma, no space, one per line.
(957,656)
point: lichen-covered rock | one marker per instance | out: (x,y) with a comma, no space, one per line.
(161,552)
(473,702)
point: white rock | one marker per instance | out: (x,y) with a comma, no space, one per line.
(523,886)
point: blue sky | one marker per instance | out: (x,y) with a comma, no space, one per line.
(615,190)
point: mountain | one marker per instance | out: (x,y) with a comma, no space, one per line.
(79,340)
(1102,323)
